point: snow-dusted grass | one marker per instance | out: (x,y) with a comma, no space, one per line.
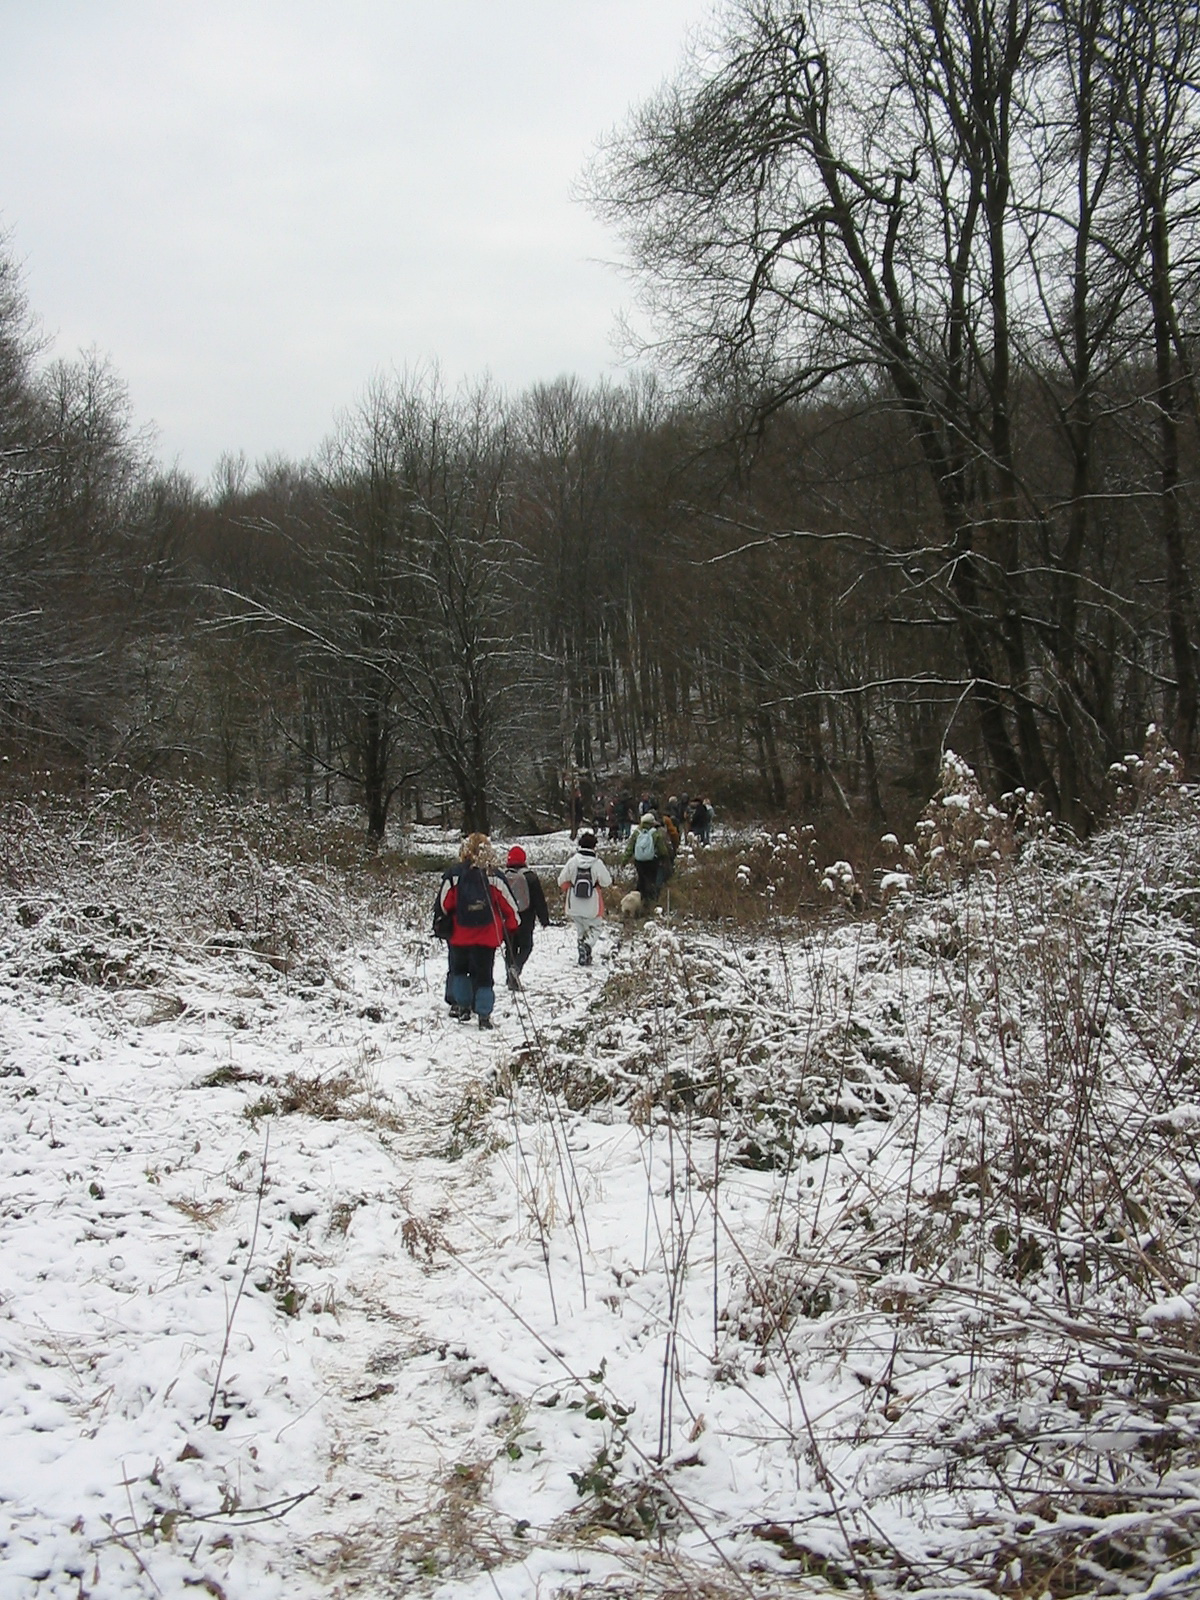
(854,1253)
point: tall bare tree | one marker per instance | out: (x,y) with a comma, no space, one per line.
(916,207)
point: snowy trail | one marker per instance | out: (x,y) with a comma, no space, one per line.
(409,1418)
(130,1167)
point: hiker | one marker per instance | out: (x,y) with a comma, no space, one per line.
(530,899)
(481,912)
(624,814)
(701,823)
(583,877)
(671,829)
(647,848)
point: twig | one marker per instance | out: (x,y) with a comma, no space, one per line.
(232,1312)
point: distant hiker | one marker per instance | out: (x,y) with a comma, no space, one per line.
(671,829)
(530,899)
(624,814)
(478,911)
(666,863)
(583,877)
(647,849)
(701,823)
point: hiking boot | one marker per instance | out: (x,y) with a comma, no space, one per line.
(585,955)
(512,980)
(460,1013)
(486,1022)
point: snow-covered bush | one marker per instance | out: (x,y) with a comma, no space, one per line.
(840,884)
(780,870)
(978,1125)
(1154,777)
(163,864)
(960,830)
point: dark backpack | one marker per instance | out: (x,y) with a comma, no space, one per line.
(473,906)
(443,920)
(584,887)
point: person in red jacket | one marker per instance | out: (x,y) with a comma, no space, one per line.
(483,912)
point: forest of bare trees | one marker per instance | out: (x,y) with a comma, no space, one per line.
(918,468)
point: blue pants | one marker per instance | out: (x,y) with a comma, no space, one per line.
(469,980)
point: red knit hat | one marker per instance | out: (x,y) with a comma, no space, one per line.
(516,856)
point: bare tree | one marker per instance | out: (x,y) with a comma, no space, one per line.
(1153,57)
(915,208)
(402,604)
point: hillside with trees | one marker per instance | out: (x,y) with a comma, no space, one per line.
(918,471)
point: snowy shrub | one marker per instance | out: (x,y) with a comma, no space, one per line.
(892,884)
(979,1125)
(780,1292)
(960,830)
(780,871)
(112,885)
(839,883)
(709,1036)
(1154,777)
(1027,812)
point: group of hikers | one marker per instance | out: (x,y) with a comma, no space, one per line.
(482,907)
(618,815)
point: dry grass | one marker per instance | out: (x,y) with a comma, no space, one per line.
(345,1096)
(423,1237)
(204,1212)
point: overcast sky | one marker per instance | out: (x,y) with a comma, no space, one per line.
(251,206)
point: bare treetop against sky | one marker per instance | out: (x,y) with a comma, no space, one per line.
(252,205)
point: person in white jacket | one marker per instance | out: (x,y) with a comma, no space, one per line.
(583,878)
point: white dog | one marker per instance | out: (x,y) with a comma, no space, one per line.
(631,905)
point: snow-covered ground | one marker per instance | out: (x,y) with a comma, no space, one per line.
(861,1254)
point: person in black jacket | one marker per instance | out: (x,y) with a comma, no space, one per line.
(701,821)
(526,889)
